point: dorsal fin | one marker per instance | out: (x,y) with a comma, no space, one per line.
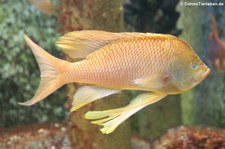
(79,44)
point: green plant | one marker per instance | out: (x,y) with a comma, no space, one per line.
(19,73)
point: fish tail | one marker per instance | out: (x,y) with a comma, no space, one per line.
(51,69)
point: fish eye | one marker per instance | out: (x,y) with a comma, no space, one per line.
(194,65)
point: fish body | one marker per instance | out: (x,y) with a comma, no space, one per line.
(117,65)
(120,64)
(156,63)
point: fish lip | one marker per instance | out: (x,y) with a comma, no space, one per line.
(201,75)
(206,73)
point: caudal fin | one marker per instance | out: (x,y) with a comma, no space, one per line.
(50,68)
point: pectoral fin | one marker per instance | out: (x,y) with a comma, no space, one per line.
(87,94)
(149,82)
(111,119)
(153,82)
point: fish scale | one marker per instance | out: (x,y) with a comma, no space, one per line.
(118,64)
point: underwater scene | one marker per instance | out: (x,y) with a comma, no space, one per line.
(112,74)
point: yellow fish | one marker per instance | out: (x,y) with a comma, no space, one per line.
(110,62)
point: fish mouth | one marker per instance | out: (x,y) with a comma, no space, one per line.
(201,75)
(206,73)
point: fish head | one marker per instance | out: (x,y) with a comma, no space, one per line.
(188,70)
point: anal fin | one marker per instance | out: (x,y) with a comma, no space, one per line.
(111,119)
